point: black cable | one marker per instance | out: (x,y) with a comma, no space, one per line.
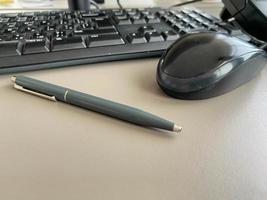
(92,2)
(264,47)
(119,4)
(245,5)
(185,3)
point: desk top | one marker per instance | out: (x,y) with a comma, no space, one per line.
(57,151)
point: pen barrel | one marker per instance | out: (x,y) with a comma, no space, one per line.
(41,87)
(116,110)
(97,104)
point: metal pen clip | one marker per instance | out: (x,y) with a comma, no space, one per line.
(18,87)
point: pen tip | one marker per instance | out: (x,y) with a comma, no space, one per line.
(13,79)
(177,128)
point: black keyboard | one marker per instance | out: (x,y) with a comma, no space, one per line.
(42,40)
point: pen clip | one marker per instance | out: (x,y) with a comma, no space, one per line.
(51,98)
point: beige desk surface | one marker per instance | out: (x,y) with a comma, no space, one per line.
(53,151)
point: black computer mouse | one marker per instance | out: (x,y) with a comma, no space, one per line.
(207,64)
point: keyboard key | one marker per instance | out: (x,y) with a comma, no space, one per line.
(170,35)
(187,12)
(209,17)
(22,19)
(178,27)
(152,19)
(11,15)
(132,11)
(146,29)
(138,21)
(186,20)
(60,44)
(93,14)
(118,12)
(105,40)
(6,37)
(28,14)
(105,23)
(135,38)
(121,17)
(32,46)
(193,15)
(125,22)
(4,20)
(96,31)
(154,37)
(8,48)
(194,25)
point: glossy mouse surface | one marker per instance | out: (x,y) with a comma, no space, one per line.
(207,64)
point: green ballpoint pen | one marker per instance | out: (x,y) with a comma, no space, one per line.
(100,105)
